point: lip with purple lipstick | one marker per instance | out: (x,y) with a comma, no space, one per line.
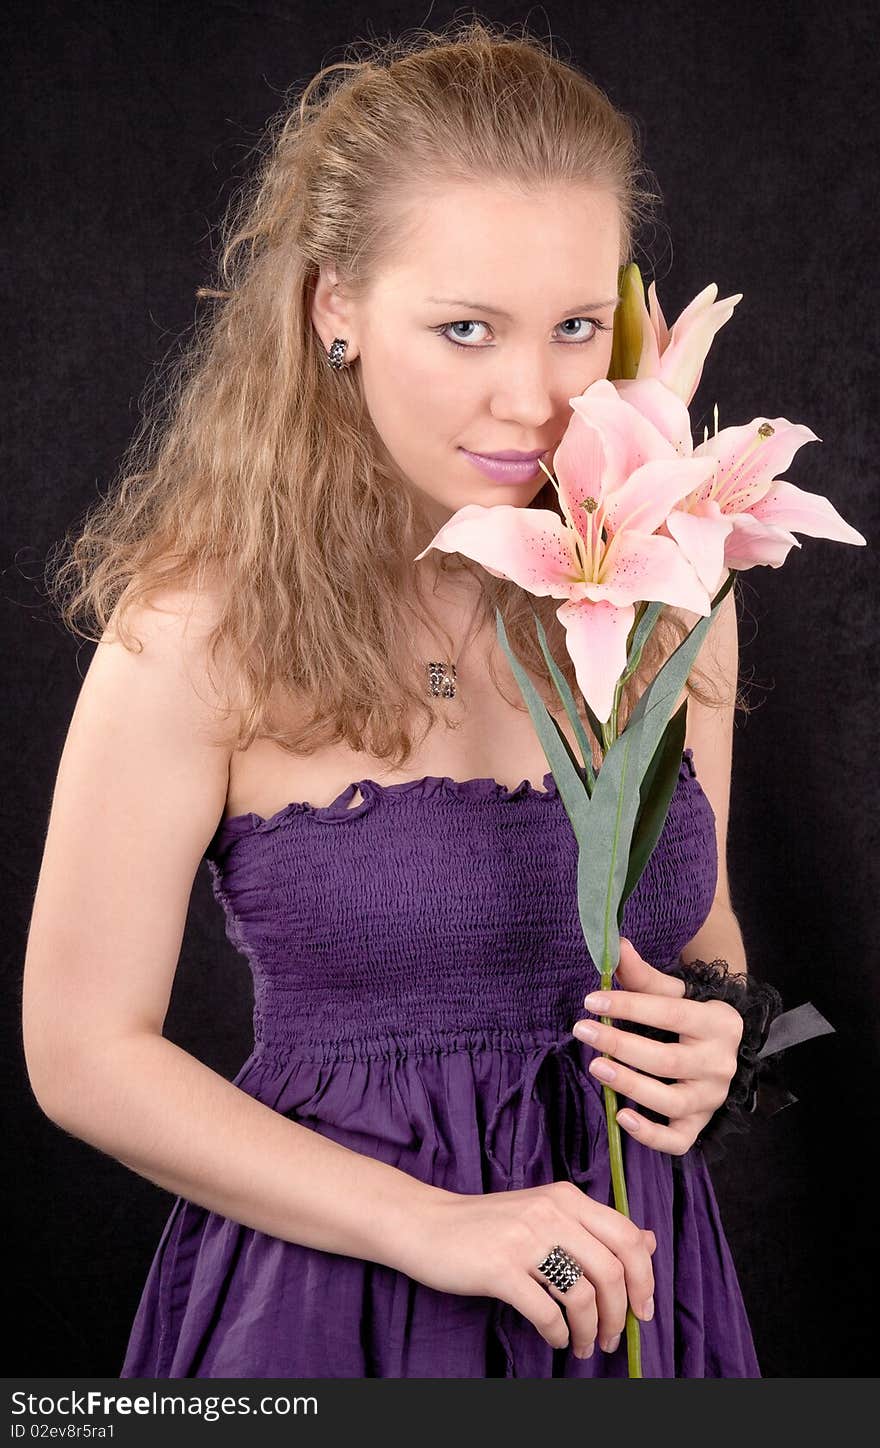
(508,466)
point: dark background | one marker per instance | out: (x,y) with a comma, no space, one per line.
(126,127)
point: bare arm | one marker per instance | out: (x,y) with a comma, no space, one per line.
(172,1119)
(719,936)
(710,735)
(140,789)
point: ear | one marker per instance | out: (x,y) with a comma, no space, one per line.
(332,313)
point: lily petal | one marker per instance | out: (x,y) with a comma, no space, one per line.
(658,321)
(701,534)
(644,501)
(530,546)
(691,336)
(579,468)
(596,635)
(752,542)
(639,567)
(790,507)
(661,406)
(749,463)
(629,438)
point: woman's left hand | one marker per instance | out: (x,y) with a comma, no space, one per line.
(701,1064)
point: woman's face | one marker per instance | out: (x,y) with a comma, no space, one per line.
(527,291)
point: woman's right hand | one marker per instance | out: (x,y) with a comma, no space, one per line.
(490,1245)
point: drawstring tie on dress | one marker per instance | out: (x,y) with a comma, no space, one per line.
(571,1087)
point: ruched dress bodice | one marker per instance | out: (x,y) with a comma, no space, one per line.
(418,963)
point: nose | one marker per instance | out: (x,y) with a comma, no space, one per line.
(529,389)
(522,391)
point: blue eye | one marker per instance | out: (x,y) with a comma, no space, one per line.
(443,331)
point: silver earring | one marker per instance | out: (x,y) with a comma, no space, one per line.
(336,353)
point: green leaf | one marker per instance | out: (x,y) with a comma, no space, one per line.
(604,867)
(618,826)
(565,694)
(641,633)
(652,711)
(568,780)
(604,863)
(657,788)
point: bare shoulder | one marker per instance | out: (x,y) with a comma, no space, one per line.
(717,656)
(721,636)
(156,700)
(165,641)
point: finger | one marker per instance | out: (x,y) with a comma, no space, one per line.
(676,1060)
(628,1243)
(536,1304)
(686,1017)
(596,1305)
(580,1303)
(673,1100)
(675,1139)
(636,974)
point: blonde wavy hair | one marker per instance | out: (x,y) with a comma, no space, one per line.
(259,465)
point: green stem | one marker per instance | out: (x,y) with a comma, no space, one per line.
(621,1202)
(609,729)
(615,1148)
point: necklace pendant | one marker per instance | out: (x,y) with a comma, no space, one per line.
(441,680)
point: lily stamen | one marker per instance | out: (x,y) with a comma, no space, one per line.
(765,431)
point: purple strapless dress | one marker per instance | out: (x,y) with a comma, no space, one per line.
(418,964)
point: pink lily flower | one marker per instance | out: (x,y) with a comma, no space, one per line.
(744,515)
(615,489)
(676,355)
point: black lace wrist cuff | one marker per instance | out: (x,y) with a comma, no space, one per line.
(759,1004)
(758,1087)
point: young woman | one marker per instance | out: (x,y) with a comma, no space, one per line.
(421,277)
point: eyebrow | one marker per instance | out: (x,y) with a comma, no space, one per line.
(497,311)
